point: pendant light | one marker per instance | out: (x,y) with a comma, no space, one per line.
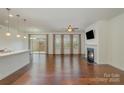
(8,24)
(24,29)
(18,23)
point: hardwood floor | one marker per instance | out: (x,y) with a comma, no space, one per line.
(68,70)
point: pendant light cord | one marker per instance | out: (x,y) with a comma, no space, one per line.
(18,24)
(24,25)
(8,19)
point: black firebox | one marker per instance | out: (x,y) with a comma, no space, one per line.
(90,55)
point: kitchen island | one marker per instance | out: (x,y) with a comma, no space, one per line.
(11,62)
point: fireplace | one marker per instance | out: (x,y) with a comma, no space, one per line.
(90,55)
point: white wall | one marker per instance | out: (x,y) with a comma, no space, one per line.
(103,41)
(116,45)
(12,42)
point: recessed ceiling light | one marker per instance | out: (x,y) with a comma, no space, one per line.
(10,15)
(18,35)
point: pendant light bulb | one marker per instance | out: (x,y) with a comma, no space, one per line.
(25,37)
(8,34)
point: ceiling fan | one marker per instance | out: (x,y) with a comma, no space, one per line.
(71,29)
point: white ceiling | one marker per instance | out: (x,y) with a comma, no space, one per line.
(56,19)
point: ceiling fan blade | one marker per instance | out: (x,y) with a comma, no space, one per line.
(75,28)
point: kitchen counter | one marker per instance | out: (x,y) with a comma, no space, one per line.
(2,54)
